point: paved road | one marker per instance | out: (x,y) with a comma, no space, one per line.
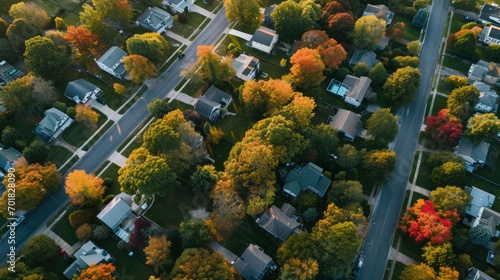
(388,203)
(117,134)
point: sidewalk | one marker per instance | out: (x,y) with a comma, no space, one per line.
(197,9)
(110,114)
(177,37)
(400,257)
(117,159)
(59,241)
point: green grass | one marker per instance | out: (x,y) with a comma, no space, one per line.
(412,33)
(171,210)
(408,247)
(439,103)
(424,174)
(76,134)
(213,6)
(219,152)
(97,136)
(457,22)
(413,168)
(398,268)
(112,172)
(59,155)
(137,142)
(51,9)
(65,230)
(195,89)
(273,70)
(73,160)
(186,29)
(240,43)
(234,127)
(57,265)
(457,64)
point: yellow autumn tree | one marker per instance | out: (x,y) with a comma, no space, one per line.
(83,188)
(86,116)
(119,88)
(157,252)
(104,271)
(139,68)
(215,135)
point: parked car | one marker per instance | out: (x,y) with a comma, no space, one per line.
(101,100)
(19,220)
(62,252)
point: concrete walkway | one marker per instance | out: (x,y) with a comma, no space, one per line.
(400,257)
(177,37)
(110,114)
(242,35)
(197,9)
(61,143)
(117,159)
(59,241)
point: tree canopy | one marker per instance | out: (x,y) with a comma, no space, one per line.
(264,97)
(461,101)
(151,45)
(139,68)
(444,129)
(21,30)
(383,126)
(307,68)
(483,127)
(345,193)
(379,164)
(368,30)
(449,173)
(196,263)
(402,86)
(449,198)
(211,67)
(31,12)
(157,252)
(39,249)
(242,11)
(83,188)
(290,22)
(44,58)
(103,271)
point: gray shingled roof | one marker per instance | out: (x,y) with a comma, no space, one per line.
(347,122)
(253,263)
(51,122)
(154,18)
(80,88)
(279,224)
(8,157)
(476,274)
(480,198)
(264,36)
(112,56)
(308,177)
(490,13)
(359,86)
(116,211)
(491,219)
(366,56)
(477,153)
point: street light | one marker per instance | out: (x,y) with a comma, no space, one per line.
(52,197)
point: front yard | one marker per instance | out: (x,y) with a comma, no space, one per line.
(77,134)
(187,29)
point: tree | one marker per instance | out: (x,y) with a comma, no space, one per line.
(332,53)
(454,82)
(146,174)
(413,47)
(483,127)
(83,188)
(466,5)
(82,39)
(299,111)
(9,136)
(60,24)
(444,129)
(360,69)
(79,217)
(297,269)
(345,193)
(211,67)
(103,271)
(159,107)
(379,164)
(36,152)
(84,232)
(120,89)
(160,138)
(449,173)
(450,198)
(204,178)
(7,51)
(115,10)
(383,126)
(157,252)
(332,8)
(43,93)
(86,116)
(228,207)
(307,199)
(44,58)
(340,25)
(307,68)
(245,12)
(438,255)
(403,61)
(447,273)
(378,74)
(298,246)
(3,28)
(402,86)
(101,232)
(397,31)
(463,263)
(417,272)
(194,233)
(214,135)
(290,22)
(21,30)
(438,158)
(39,249)
(264,97)
(491,53)
(196,263)
(368,30)
(480,235)
(462,100)
(31,12)
(139,68)
(310,216)
(347,156)
(463,42)
(151,45)
(92,19)
(420,18)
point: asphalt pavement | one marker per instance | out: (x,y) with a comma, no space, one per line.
(388,203)
(116,135)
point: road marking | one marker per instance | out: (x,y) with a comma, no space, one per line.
(118,128)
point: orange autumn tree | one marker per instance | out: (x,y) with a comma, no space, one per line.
(263,98)
(82,39)
(119,88)
(307,68)
(83,188)
(86,116)
(424,223)
(139,68)
(157,252)
(104,271)
(331,52)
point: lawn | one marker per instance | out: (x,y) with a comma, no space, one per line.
(51,8)
(407,246)
(219,152)
(439,103)
(457,22)
(65,230)
(424,174)
(398,268)
(412,33)
(57,265)
(234,127)
(457,64)
(136,143)
(274,71)
(213,6)
(413,168)
(76,134)
(171,210)
(186,30)
(59,155)
(98,135)
(112,172)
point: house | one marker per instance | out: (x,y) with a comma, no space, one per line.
(246,67)
(479,199)
(254,263)
(366,56)
(8,157)
(212,102)
(264,39)
(489,218)
(487,72)
(353,89)
(8,73)
(178,6)
(81,91)
(474,156)
(476,274)
(490,35)
(117,215)
(89,254)
(112,62)
(279,223)
(346,122)
(382,43)
(490,14)
(267,19)
(156,20)
(53,124)
(310,177)
(488,99)
(380,11)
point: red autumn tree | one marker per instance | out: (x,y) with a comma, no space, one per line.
(332,54)
(82,39)
(396,31)
(307,68)
(423,223)
(444,129)
(339,26)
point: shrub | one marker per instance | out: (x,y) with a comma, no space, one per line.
(71,112)
(307,199)
(84,232)
(60,106)
(78,218)
(182,18)
(101,232)
(108,182)
(310,215)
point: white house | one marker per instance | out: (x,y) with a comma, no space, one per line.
(264,39)
(212,102)
(156,20)
(474,156)
(112,62)
(246,67)
(346,122)
(353,89)
(479,199)
(490,35)
(81,91)
(118,216)
(178,6)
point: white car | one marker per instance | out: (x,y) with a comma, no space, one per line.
(19,220)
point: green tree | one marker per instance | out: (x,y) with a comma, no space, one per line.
(289,21)
(491,53)
(307,199)
(483,127)
(245,12)
(211,67)
(151,45)
(297,269)
(31,12)
(159,107)
(146,174)
(39,249)
(368,30)
(300,246)
(345,193)
(402,86)
(3,28)
(360,69)
(44,58)
(417,272)
(347,156)
(438,255)
(264,97)
(310,215)
(7,51)
(194,233)
(413,47)
(403,61)
(449,173)
(300,112)
(196,263)
(204,178)
(466,5)
(115,10)
(60,24)
(480,235)
(462,42)
(420,18)
(92,19)
(36,152)
(16,96)
(160,138)
(228,207)
(383,126)
(378,74)
(379,164)
(449,198)
(322,140)
(21,30)
(462,100)
(454,82)
(438,158)
(139,68)
(9,136)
